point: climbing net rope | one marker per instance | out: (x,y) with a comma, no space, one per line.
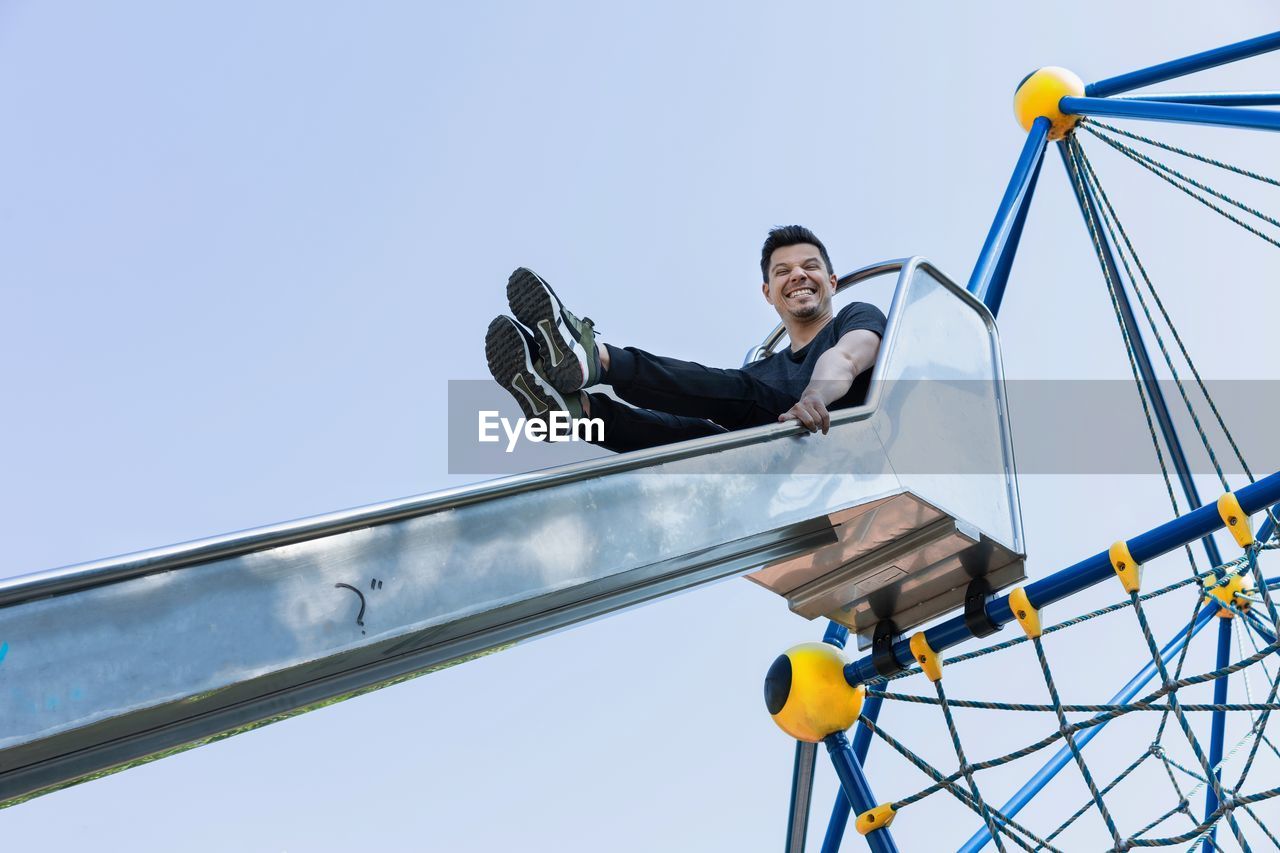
(1186,783)
(1208,787)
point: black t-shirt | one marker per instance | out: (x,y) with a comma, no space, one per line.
(789,371)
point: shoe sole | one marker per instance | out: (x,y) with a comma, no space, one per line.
(536,306)
(511,364)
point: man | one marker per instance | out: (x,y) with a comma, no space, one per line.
(550,357)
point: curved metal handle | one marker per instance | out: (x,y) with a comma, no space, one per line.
(766,347)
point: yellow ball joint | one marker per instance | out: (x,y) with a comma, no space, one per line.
(807,695)
(1232,592)
(1038,95)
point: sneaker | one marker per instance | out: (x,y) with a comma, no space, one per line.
(513,361)
(567,344)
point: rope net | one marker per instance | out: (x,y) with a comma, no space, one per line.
(1168,727)
(1178,752)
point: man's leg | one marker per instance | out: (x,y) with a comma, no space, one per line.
(573,359)
(510,350)
(732,398)
(627,428)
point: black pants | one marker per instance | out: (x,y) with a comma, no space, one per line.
(679,400)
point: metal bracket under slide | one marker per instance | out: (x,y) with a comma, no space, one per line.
(898,558)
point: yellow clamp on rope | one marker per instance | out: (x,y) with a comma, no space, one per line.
(1028,617)
(1235,519)
(1233,592)
(926,656)
(1127,569)
(878,818)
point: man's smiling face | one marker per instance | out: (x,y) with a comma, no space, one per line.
(800,286)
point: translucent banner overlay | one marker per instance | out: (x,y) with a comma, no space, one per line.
(1058,427)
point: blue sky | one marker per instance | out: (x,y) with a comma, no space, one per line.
(245,247)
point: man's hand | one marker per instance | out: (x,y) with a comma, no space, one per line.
(832,377)
(811,411)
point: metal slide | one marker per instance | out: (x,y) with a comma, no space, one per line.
(112,662)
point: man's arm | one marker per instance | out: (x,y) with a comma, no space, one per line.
(832,377)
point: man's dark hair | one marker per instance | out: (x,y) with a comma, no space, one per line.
(790,235)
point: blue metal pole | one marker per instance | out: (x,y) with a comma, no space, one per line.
(991,272)
(1185,65)
(836,635)
(1219,726)
(1160,408)
(856,788)
(1212,99)
(1168,111)
(840,809)
(1093,570)
(1063,756)
(1000,278)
